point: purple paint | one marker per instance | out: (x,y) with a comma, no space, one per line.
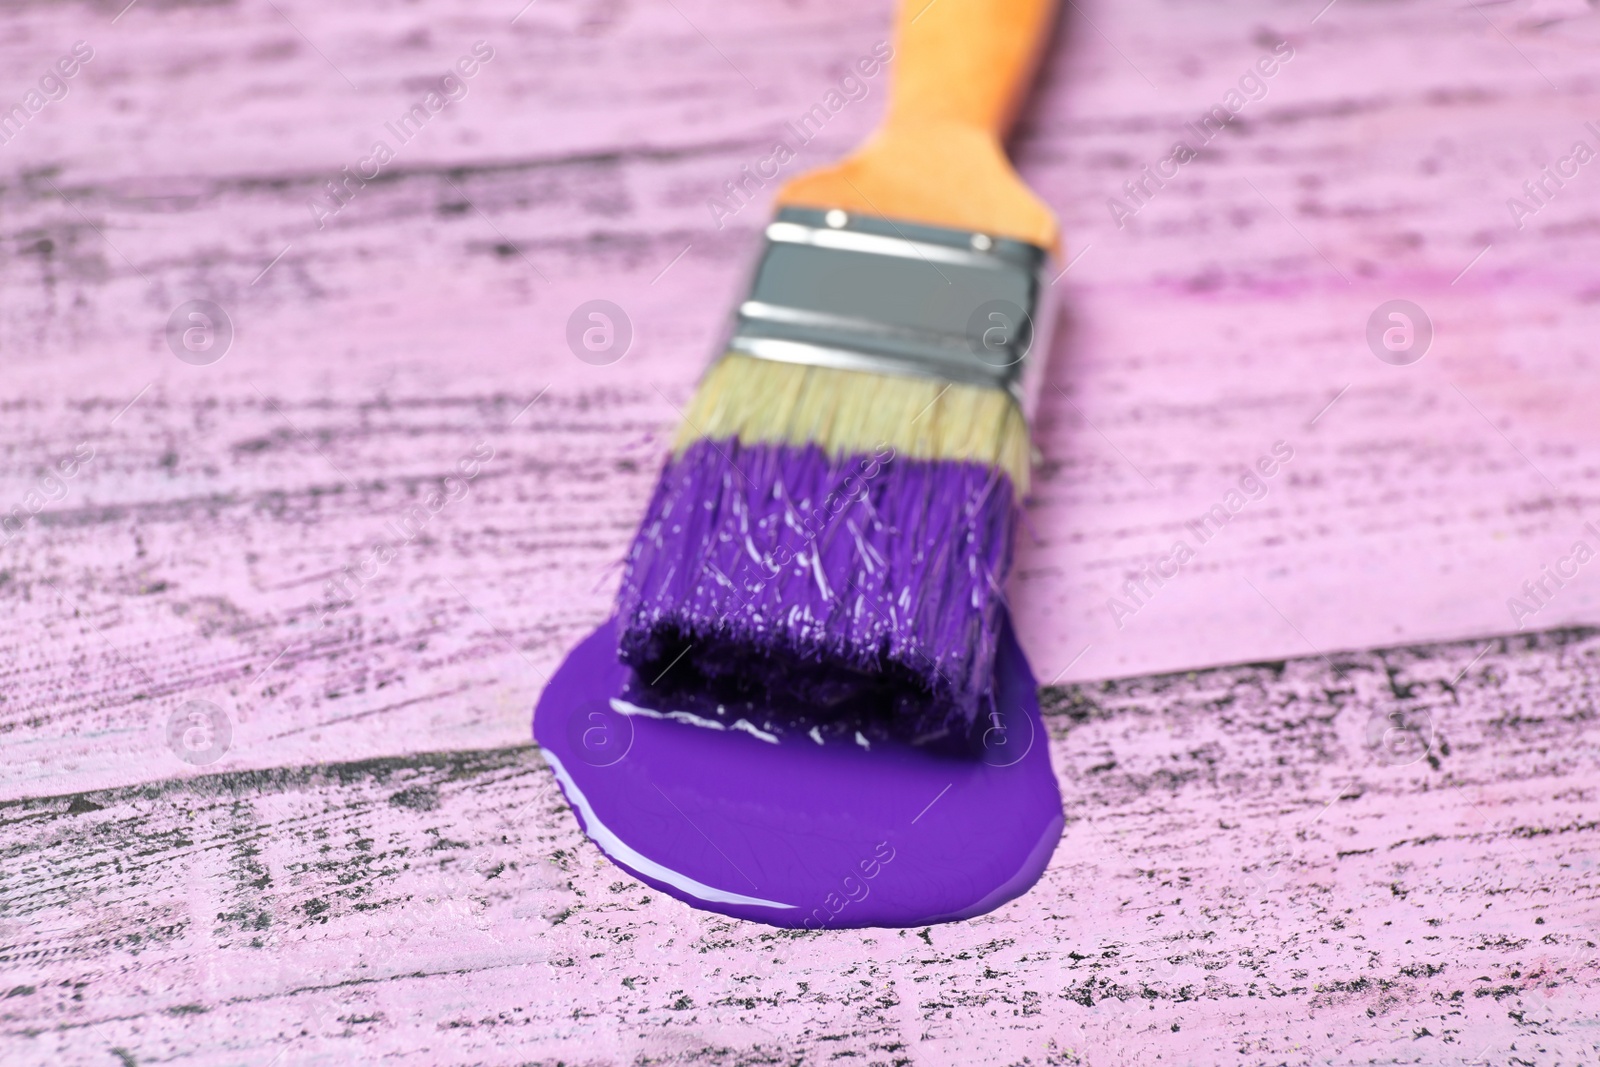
(861,588)
(790,831)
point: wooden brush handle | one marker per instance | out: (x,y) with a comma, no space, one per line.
(960,72)
(966,62)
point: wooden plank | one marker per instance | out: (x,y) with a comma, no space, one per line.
(1240,862)
(192,553)
(1249,866)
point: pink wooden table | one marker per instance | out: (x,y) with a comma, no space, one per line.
(1372,842)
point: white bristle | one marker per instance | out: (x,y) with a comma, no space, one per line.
(854,413)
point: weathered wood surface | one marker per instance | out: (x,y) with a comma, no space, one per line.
(1252,872)
(187,560)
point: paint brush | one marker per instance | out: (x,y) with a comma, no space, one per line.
(831,535)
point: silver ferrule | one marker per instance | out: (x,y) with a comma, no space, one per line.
(855,292)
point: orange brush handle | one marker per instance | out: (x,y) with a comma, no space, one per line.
(961,69)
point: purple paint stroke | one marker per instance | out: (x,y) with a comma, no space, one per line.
(857,592)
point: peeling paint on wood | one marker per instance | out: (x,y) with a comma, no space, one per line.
(1249,872)
(1252,870)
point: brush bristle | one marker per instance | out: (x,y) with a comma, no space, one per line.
(831,542)
(759,401)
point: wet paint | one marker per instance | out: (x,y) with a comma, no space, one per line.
(786,829)
(863,586)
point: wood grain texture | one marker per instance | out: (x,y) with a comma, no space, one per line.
(189,558)
(1252,872)
(424,315)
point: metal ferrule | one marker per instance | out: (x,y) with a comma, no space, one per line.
(854,292)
